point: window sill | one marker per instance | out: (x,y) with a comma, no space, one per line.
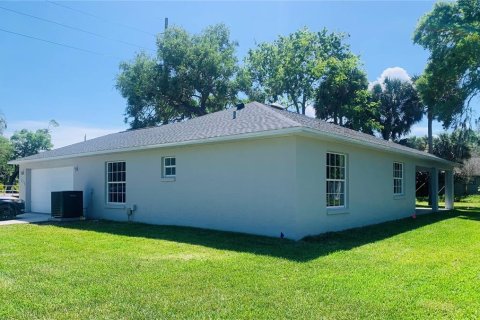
(399,197)
(169,179)
(334,211)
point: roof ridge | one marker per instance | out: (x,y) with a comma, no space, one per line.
(278,115)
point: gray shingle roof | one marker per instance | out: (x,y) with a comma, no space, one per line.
(254,118)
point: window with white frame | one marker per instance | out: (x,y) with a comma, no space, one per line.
(116,182)
(336,180)
(169,167)
(397,178)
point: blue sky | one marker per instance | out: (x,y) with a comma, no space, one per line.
(41,81)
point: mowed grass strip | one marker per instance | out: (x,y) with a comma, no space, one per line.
(428,267)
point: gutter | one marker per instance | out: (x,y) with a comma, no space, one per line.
(262,134)
(242,136)
(426,156)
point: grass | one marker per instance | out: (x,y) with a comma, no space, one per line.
(414,268)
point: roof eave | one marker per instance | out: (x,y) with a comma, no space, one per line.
(260,134)
(428,157)
(269,133)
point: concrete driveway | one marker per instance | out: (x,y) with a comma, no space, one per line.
(27,218)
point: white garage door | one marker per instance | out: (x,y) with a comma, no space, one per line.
(44,181)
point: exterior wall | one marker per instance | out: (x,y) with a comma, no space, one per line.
(369,185)
(263,186)
(245,186)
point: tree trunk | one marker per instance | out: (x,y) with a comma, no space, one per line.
(385,134)
(430,131)
(304,102)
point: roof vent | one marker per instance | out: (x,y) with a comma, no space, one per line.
(240,106)
(234,114)
(277,106)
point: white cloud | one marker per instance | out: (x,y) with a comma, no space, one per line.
(392,73)
(310,111)
(65,134)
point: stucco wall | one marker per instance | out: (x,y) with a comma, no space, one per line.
(245,186)
(369,198)
(263,186)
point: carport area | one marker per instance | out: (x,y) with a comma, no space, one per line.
(438,182)
(27,218)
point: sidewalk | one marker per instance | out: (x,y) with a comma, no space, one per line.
(26,218)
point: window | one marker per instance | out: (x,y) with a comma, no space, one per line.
(169,167)
(116,182)
(336,178)
(397,178)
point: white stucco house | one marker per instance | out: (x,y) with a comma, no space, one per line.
(255,169)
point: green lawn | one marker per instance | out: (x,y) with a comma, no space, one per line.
(427,267)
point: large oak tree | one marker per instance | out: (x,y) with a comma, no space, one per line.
(191,75)
(289,69)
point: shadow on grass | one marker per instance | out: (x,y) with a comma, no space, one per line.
(301,251)
(469,213)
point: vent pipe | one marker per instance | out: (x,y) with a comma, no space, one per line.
(234,114)
(277,106)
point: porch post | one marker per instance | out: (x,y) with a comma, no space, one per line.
(449,188)
(434,188)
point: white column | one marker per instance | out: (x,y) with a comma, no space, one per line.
(434,188)
(449,188)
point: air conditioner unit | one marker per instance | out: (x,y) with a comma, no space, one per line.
(67,204)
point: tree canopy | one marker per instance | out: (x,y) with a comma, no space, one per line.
(456,146)
(25,143)
(289,69)
(191,75)
(419,143)
(451,32)
(342,96)
(5,156)
(399,107)
(452,147)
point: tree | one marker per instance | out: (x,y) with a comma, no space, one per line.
(5,156)
(456,146)
(5,152)
(191,75)
(3,123)
(452,147)
(419,143)
(468,170)
(442,100)
(399,107)
(25,143)
(451,31)
(289,69)
(343,98)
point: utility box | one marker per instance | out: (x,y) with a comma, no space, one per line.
(67,204)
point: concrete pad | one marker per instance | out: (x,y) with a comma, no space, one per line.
(428,210)
(27,218)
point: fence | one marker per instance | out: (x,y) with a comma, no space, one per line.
(6,189)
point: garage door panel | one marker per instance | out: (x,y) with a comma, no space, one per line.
(44,181)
